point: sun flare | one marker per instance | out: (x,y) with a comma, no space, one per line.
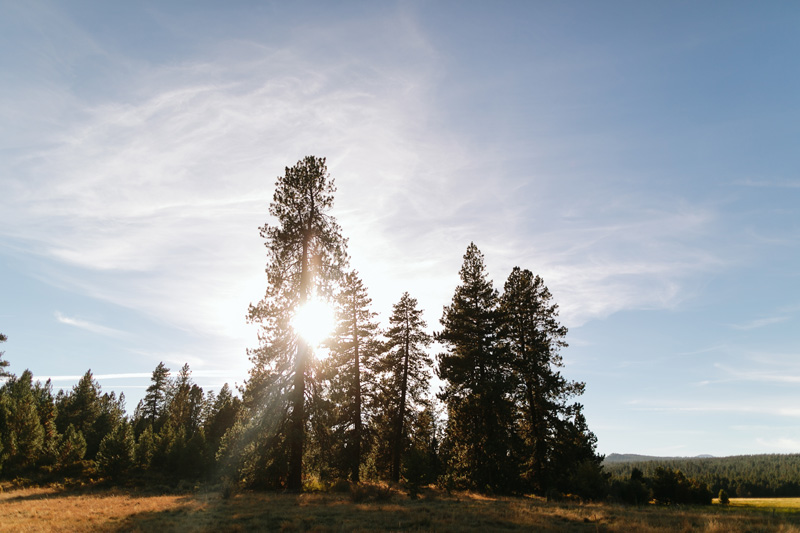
(314,321)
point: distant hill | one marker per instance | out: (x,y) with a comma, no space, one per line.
(742,475)
(635,458)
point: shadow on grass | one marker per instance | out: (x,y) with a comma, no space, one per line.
(97,490)
(329,513)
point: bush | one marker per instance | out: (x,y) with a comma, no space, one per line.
(340,486)
(723,497)
(360,492)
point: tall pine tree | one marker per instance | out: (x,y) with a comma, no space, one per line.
(306,253)
(354,345)
(553,433)
(404,368)
(152,407)
(479,431)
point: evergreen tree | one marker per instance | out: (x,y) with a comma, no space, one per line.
(4,404)
(404,370)
(82,407)
(355,342)
(185,403)
(221,417)
(71,447)
(480,415)
(575,467)
(46,409)
(254,451)
(182,443)
(556,446)
(3,364)
(532,338)
(116,454)
(112,413)
(21,432)
(145,448)
(421,460)
(154,402)
(4,430)
(163,449)
(306,252)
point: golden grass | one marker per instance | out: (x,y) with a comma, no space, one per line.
(48,509)
(778,504)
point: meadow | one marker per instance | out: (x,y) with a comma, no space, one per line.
(116,509)
(783,505)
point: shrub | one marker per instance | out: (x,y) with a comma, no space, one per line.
(723,497)
(340,486)
(360,492)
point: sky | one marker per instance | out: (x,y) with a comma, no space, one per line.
(640,156)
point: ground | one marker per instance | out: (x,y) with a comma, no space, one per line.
(93,509)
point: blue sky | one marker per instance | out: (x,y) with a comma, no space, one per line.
(640,156)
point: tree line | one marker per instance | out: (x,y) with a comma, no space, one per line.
(174,431)
(744,476)
(663,485)
(505,421)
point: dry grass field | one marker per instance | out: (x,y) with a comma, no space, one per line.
(52,509)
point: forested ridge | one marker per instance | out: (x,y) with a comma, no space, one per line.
(768,475)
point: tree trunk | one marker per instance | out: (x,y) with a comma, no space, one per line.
(357,429)
(297,421)
(537,428)
(401,415)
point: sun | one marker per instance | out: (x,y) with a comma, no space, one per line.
(314,321)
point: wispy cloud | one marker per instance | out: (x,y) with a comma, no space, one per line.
(760,323)
(137,375)
(162,195)
(700,351)
(732,409)
(646,261)
(155,196)
(89,326)
(782,444)
(771,184)
(785,374)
